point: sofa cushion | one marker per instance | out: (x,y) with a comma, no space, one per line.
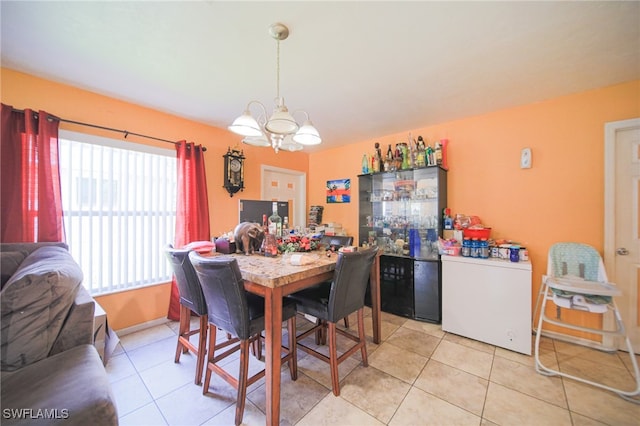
(71,386)
(9,263)
(34,304)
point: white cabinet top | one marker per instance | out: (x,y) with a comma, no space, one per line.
(498,263)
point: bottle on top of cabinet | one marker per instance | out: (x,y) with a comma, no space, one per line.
(397,157)
(484,249)
(438,153)
(466,247)
(475,247)
(388,161)
(420,153)
(375,164)
(365,164)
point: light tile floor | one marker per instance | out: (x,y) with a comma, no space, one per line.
(418,375)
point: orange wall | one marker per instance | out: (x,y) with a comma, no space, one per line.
(25,91)
(561,198)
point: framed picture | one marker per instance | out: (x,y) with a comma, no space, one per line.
(339,191)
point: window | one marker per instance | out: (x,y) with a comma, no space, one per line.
(119,208)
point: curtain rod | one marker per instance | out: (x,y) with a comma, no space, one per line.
(111,129)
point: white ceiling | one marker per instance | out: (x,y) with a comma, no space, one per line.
(360,69)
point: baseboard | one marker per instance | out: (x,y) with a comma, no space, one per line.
(142,326)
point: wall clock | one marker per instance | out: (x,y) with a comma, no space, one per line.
(233,171)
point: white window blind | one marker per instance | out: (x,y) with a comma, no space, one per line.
(119,207)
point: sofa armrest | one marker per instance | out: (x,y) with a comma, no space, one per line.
(30,247)
(78,326)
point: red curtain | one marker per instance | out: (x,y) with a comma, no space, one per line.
(192,212)
(30,201)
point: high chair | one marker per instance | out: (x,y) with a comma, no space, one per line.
(576,279)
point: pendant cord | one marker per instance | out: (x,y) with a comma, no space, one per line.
(278,70)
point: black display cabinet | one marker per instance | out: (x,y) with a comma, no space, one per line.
(401,212)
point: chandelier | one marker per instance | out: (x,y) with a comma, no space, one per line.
(280,130)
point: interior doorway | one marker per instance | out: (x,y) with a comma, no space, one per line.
(286,185)
(622,219)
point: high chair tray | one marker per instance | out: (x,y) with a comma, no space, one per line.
(578,285)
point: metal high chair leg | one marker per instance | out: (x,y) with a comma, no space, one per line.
(552,284)
(620,331)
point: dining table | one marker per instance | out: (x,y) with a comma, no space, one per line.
(275,277)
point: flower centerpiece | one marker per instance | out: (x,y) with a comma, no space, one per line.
(296,243)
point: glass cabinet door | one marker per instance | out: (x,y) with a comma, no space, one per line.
(401,211)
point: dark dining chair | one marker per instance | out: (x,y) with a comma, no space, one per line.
(335,243)
(233,309)
(191,300)
(333,300)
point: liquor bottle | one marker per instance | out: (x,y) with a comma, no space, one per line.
(265,227)
(422,161)
(412,151)
(275,222)
(375,163)
(438,153)
(285,226)
(365,164)
(398,157)
(405,156)
(389,165)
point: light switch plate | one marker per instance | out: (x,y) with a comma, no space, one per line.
(525,158)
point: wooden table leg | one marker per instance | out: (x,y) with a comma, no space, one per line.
(374,281)
(273,342)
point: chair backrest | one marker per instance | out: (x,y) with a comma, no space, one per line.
(336,241)
(576,259)
(188,285)
(224,292)
(350,281)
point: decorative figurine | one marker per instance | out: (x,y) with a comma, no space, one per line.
(248,237)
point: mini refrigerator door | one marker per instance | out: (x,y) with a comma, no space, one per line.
(427,291)
(396,285)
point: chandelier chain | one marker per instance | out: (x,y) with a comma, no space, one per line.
(278,70)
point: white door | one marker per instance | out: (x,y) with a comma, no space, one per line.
(286,185)
(622,219)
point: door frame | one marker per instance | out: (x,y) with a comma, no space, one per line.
(610,131)
(300,210)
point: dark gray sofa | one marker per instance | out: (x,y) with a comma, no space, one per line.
(50,371)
